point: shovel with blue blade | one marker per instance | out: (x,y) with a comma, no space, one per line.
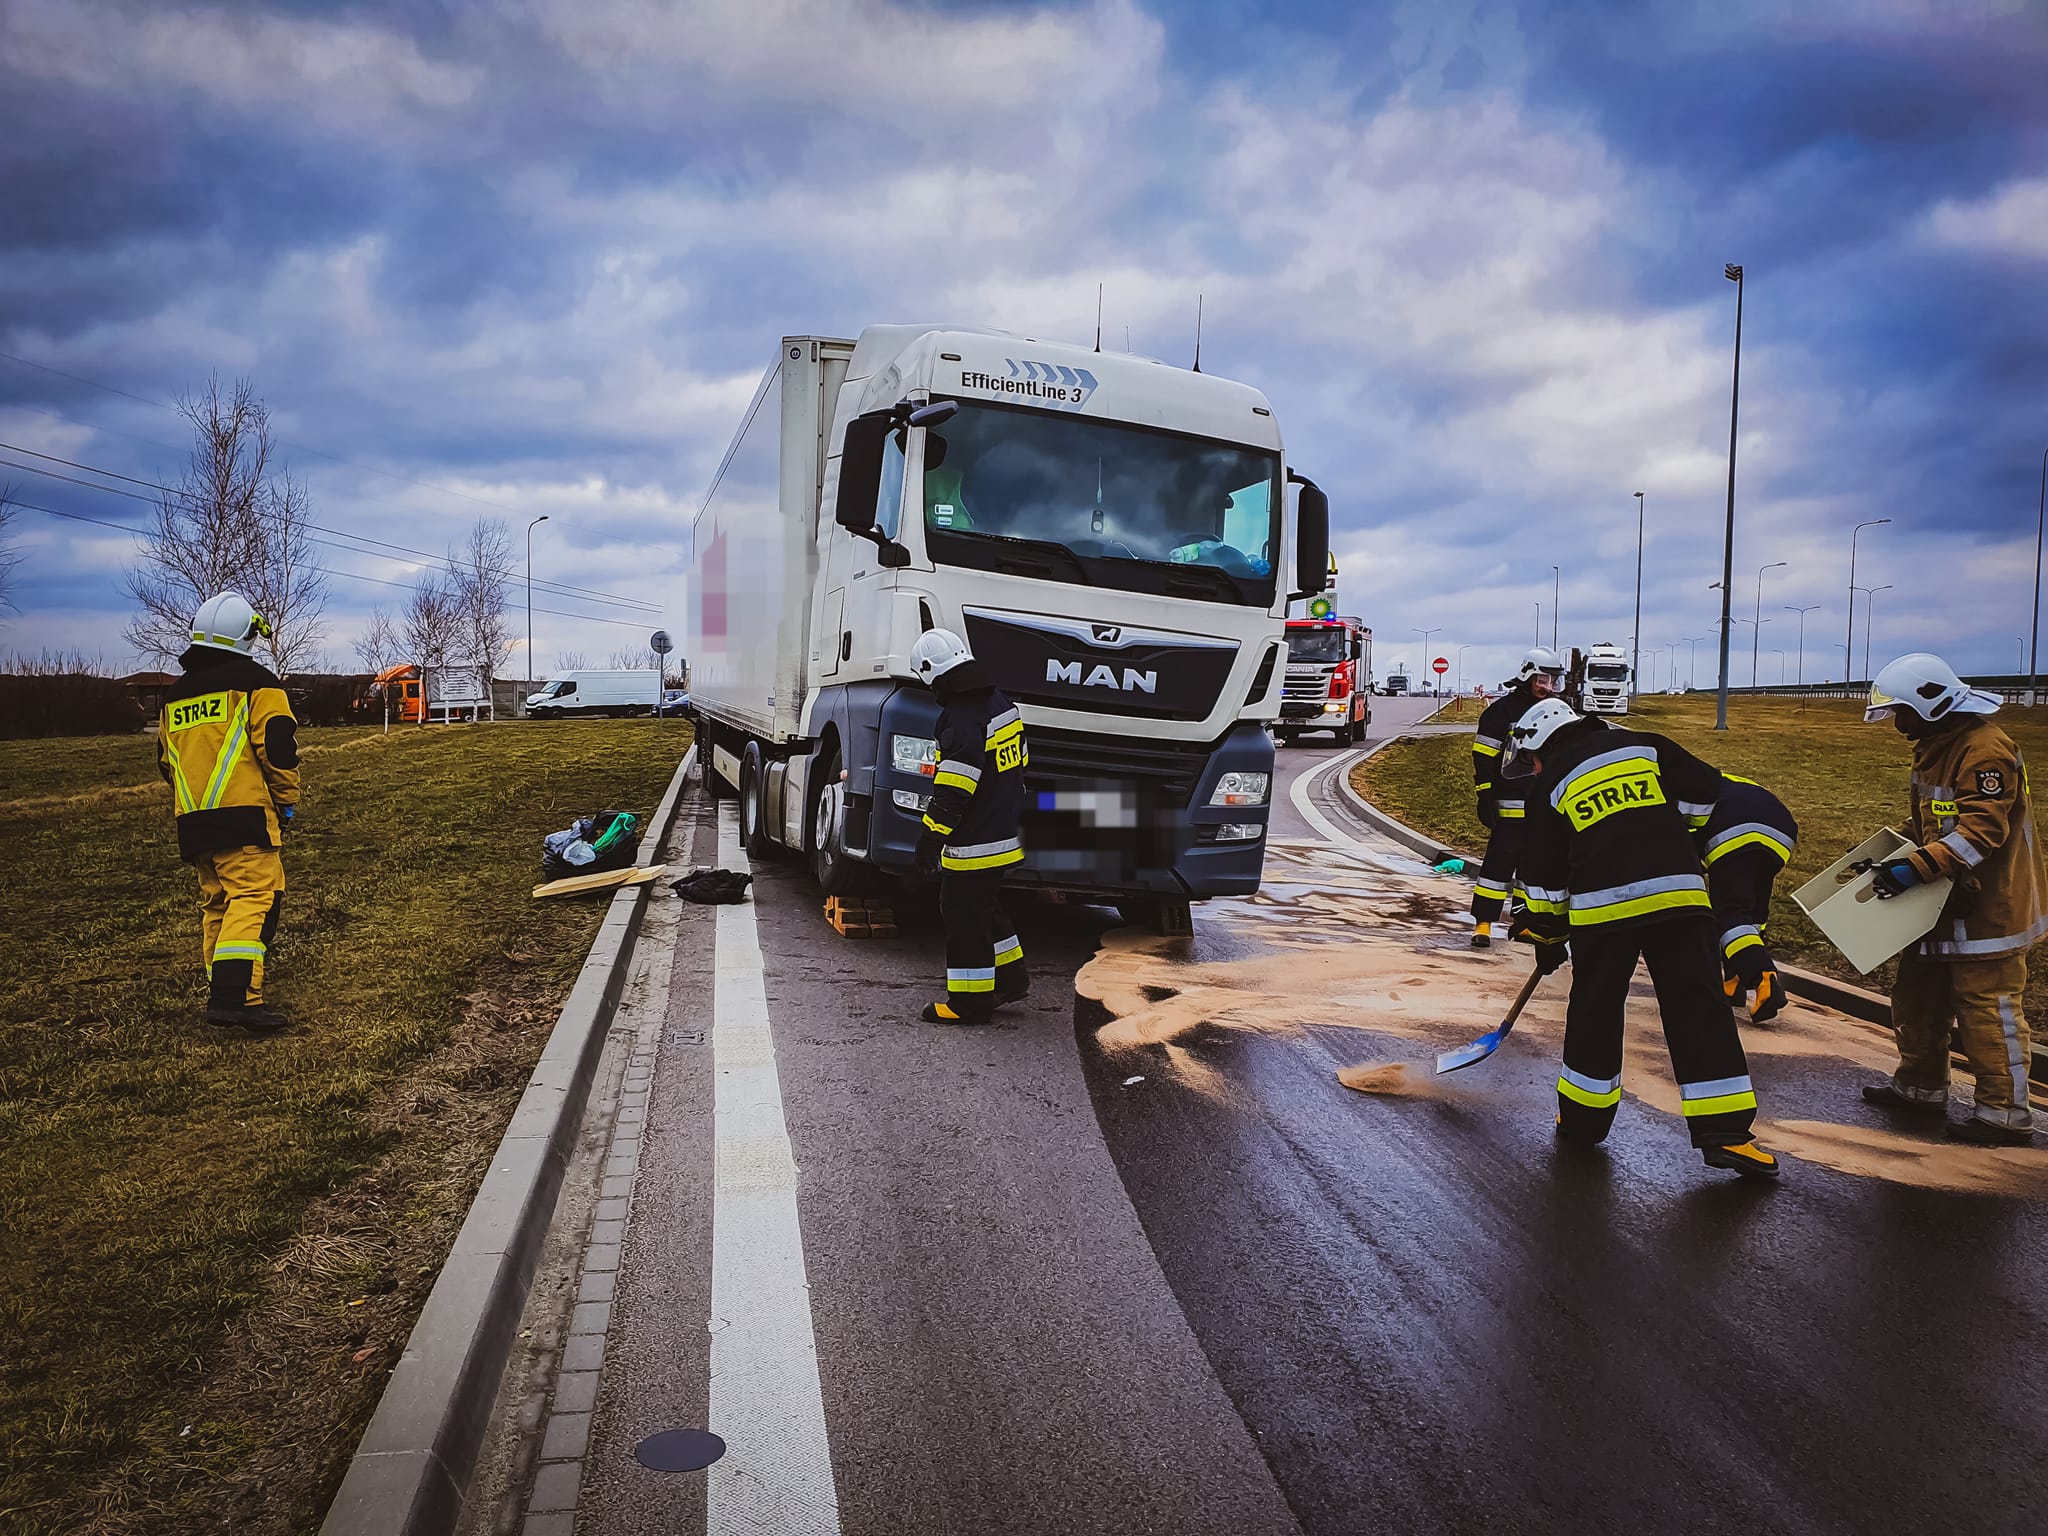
(1488,1043)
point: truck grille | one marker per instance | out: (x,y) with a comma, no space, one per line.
(1305,683)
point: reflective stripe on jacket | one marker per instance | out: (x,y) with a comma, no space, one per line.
(1973,818)
(1489,744)
(228,747)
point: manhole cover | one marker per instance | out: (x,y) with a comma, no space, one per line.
(679,1450)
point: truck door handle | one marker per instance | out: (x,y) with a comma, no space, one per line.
(846,645)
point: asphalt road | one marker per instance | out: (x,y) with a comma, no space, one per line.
(1232,1296)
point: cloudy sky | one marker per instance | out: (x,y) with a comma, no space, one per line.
(530,257)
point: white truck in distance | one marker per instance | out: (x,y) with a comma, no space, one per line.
(1108,532)
(1606,690)
(631,691)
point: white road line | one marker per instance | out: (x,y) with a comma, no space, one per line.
(1365,852)
(775,1478)
(1298,792)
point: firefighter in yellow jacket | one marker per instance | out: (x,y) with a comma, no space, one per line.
(1973,822)
(228,747)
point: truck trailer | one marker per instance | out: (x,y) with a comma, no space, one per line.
(1110,535)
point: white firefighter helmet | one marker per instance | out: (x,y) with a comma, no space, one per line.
(937,652)
(1928,686)
(228,623)
(1540,658)
(1540,721)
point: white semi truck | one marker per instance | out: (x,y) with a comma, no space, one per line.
(1608,681)
(1108,532)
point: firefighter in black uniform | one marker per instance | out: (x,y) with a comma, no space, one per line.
(1744,844)
(1503,814)
(1609,869)
(970,829)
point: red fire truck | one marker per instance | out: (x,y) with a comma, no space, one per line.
(1328,686)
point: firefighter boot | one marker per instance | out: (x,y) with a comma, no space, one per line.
(946,1013)
(1982,1133)
(227,999)
(1482,935)
(1745,1158)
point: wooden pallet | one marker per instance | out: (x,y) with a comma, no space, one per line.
(861,917)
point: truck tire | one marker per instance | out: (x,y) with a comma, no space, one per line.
(1357,732)
(714,786)
(836,874)
(754,835)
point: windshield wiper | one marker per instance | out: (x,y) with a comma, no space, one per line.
(1200,580)
(1035,557)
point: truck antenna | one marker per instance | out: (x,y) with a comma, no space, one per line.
(1098,317)
(1198,333)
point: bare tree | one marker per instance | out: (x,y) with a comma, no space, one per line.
(432,621)
(234,522)
(628,659)
(289,587)
(482,570)
(55,663)
(377,646)
(572,661)
(10,557)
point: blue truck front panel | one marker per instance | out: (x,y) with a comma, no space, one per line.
(1112,815)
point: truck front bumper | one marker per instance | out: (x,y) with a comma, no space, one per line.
(1103,814)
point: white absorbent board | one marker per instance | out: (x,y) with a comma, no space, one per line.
(1844,904)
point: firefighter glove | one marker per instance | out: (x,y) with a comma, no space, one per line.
(928,853)
(1894,879)
(1489,818)
(1550,957)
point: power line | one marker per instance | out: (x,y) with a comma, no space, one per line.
(336,458)
(324,570)
(560,589)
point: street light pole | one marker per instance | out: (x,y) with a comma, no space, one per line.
(1461,665)
(1757,624)
(1426,633)
(1538,638)
(529,599)
(1554,589)
(1870,618)
(1734,275)
(1849,641)
(1802,612)
(2034,652)
(1635,639)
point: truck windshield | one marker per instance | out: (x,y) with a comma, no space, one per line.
(1607,672)
(1315,645)
(1040,493)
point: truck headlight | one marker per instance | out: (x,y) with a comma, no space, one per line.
(914,754)
(910,800)
(1241,789)
(1333,708)
(1240,832)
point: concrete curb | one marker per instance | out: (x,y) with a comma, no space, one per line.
(411,1470)
(1857,1002)
(1384,824)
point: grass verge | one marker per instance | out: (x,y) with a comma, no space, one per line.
(1842,778)
(215,1245)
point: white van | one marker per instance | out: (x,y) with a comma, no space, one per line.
(596,693)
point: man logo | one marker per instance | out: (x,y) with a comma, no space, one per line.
(1107,634)
(1133,681)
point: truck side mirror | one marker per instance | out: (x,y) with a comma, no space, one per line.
(860,470)
(860,482)
(1311,539)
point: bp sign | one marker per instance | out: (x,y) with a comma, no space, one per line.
(1319,608)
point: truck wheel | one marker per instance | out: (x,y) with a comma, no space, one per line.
(1357,732)
(836,874)
(753,803)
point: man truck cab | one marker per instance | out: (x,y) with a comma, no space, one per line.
(1117,540)
(1329,679)
(1607,680)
